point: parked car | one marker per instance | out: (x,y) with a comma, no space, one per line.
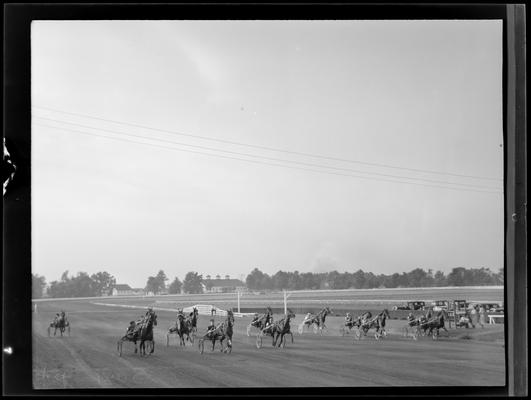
(411,305)
(489,307)
(439,305)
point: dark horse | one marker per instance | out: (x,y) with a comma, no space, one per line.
(378,322)
(259,321)
(435,323)
(183,326)
(318,321)
(59,322)
(283,328)
(221,332)
(144,334)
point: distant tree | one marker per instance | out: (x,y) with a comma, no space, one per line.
(175,286)
(161,280)
(79,286)
(295,281)
(255,279)
(439,279)
(37,286)
(192,283)
(456,277)
(280,280)
(152,285)
(103,283)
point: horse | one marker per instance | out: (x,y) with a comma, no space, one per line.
(377,322)
(436,323)
(193,320)
(145,333)
(183,326)
(415,325)
(221,332)
(318,321)
(59,322)
(283,328)
(259,321)
(381,318)
(352,323)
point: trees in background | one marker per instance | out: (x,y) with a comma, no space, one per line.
(38,283)
(192,283)
(175,287)
(82,285)
(103,283)
(418,277)
(156,284)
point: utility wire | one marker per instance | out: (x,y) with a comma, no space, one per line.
(267,158)
(264,163)
(269,148)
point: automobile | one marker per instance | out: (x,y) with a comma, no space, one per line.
(411,305)
(489,307)
(439,305)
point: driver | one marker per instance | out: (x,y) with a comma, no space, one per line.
(348,320)
(130,329)
(269,318)
(411,319)
(211,328)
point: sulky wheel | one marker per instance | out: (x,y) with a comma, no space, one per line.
(201,346)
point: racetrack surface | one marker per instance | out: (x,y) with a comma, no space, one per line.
(89,359)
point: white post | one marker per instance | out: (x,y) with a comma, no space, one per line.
(239,301)
(285,302)
(35,306)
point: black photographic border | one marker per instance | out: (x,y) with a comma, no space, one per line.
(17,325)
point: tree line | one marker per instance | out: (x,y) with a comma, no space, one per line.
(102,283)
(258,280)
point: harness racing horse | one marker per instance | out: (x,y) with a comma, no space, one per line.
(283,328)
(221,332)
(415,326)
(193,321)
(377,322)
(59,322)
(436,323)
(144,334)
(269,330)
(183,326)
(317,321)
(259,321)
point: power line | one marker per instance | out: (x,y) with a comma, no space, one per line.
(269,148)
(267,158)
(264,163)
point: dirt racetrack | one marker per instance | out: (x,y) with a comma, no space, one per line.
(88,357)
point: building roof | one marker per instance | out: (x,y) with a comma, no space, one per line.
(224,282)
(122,287)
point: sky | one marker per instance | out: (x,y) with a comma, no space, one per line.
(224,146)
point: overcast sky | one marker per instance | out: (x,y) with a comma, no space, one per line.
(400,123)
